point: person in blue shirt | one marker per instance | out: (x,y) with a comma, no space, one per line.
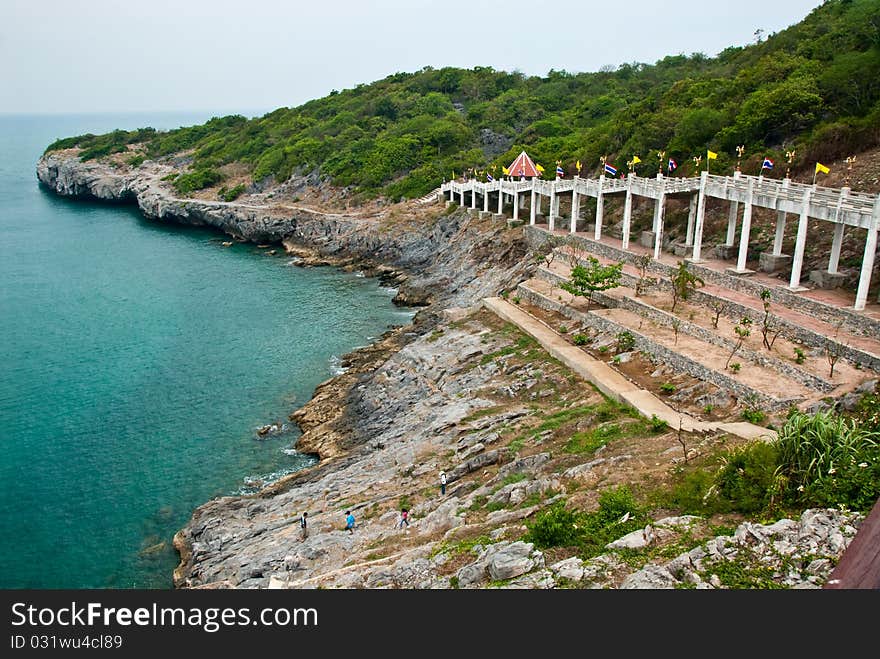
(349,521)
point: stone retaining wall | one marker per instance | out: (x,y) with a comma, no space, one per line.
(734,310)
(660,353)
(665,319)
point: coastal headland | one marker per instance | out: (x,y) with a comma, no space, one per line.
(459,391)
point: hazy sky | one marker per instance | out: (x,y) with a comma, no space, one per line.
(151,55)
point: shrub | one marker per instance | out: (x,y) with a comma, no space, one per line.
(555,527)
(581,339)
(746,480)
(735,366)
(753,415)
(198,180)
(563,329)
(799,356)
(667,388)
(625,341)
(656,424)
(233,194)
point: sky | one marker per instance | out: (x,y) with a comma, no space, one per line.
(252,56)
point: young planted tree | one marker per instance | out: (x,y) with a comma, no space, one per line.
(770,329)
(833,349)
(742,332)
(586,280)
(642,261)
(718,308)
(676,326)
(684,282)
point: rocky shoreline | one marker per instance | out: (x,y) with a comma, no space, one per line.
(438,394)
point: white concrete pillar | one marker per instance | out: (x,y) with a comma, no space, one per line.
(551,222)
(600,209)
(836,243)
(515,206)
(692,213)
(575,207)
(658,224)
(868,259)
(485,197)
(500,197)
(780,233)
(462,195)
(800,243)
(746,230)
(627,213)
(532,206)
(731,223)
(473,195)
(701,212)
(538,207)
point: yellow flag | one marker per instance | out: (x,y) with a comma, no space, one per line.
(453,174)
(505,170)
(539,168)
(636,160)
(821,168)
(711,155)
(578,165)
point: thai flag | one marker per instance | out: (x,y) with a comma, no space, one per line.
(610,169)
(489,177)
(671,165)
(768,164)
(559,171)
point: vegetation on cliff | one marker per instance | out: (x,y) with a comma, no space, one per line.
(814,87)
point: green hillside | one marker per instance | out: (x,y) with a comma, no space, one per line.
(814,87)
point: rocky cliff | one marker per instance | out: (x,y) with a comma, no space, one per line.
(458,391)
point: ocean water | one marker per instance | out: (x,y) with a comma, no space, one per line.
(137,360)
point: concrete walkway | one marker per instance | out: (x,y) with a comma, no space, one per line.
(610,382)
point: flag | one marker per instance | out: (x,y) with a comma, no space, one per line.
(539,168)
(711,155)
(505,170)
(489,177)
(611,169)
(559,171)
(671,165)
(768,164)
(578,165)
(821,168)
(453,174)
(636,160)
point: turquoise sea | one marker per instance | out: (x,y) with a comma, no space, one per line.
(137,360)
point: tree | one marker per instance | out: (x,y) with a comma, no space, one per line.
(768,326)
(742,332)
(642,261)
(718,308)
(684,282)
(585,280)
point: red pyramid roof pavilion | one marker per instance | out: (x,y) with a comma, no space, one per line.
(523,166)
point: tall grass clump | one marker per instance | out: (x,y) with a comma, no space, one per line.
(830,460)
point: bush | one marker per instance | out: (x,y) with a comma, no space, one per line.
(563,329)
(233,194)
(746,480)
(667,388)
(581,339)
(198,180)
(625,341)
(735,366)
(753,415)
(555,527)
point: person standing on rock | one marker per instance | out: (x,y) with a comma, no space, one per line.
(442,482)
(304,526)
(349,522)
